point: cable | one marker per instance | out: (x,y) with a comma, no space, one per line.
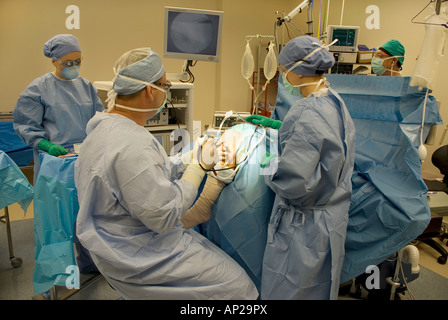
(174,110)
(432,24)
(188,71)
(422,152)
(247,152)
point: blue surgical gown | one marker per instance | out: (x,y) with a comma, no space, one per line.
(388,208)
(56,110)
(14,187)
(306,233)
(131,202)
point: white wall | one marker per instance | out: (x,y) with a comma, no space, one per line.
(110,27)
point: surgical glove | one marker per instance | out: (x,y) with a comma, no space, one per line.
(53,149)
(201,211)
(194,174)
(187,157)
(266,159)
(264,121)
(208,156)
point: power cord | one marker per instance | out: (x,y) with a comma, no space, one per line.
(191,78)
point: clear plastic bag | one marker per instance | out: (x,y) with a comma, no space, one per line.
(247,65)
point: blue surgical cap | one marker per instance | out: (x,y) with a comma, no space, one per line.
(142,64)
(60,45)
(298,49)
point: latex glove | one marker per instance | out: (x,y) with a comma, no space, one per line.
(264,121)
(201,211)
(191,156)
(266,159)
(52,149)
(209,155)
(187,157)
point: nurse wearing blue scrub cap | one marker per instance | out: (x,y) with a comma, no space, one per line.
(51,114)
(306,234)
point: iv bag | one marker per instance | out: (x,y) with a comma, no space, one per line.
(270,63)
(247,64)
(430,53)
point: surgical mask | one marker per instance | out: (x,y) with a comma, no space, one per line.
(377,66)
(295,89)
(71,72)
(145,110)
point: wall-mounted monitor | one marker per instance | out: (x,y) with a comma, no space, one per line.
(192,34)
(347,37)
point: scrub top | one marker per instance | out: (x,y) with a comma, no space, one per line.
(131,202)
(56,110)
(306,234)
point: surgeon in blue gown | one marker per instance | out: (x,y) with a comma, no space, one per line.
(51,114)
(306,234)
(132,197)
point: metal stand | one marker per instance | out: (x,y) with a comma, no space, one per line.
(52,294)
(15,261)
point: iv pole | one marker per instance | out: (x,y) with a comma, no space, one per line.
(287,18)
(258,88)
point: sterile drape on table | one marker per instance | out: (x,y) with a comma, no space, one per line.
(14,186)
(55,211)
(240,215)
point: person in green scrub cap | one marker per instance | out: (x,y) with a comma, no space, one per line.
(389,59)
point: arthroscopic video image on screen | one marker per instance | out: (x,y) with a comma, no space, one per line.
(192,33)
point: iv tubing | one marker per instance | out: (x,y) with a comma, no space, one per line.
(342,12)
(423,118)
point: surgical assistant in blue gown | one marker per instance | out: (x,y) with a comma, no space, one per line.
(306,233)
(388,206)
(55,108)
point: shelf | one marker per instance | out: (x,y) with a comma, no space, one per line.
(177,105)
(169,127)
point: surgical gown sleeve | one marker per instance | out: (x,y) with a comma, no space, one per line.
(146,190)
(29,115)
(98,105)
(309,148)
(56,110)
(177,166)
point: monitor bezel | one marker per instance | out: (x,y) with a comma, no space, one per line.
(192,56)
(336,48)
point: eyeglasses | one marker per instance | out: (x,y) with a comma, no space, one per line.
(70,63)
(165,86)
(381,55)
